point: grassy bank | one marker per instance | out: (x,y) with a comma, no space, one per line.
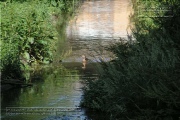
(143,83)
(29,33)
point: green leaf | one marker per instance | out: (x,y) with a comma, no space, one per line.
(26,56)
(53,3)
(27,46)
(42,42)
(31,40)
(45,61)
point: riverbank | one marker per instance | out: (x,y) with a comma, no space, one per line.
(143,81)
(30,33)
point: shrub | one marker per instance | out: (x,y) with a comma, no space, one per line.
(143,81)
(28,34)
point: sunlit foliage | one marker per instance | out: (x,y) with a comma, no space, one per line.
(28,32)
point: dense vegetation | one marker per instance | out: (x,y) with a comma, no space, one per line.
(143,82)
(28,32)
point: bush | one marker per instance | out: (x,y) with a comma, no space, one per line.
(143,81)
(28,34)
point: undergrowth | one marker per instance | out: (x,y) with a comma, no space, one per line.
(143,82)
(29,34)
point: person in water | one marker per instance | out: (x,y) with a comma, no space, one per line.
(84,61)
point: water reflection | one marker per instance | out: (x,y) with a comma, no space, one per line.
(54,87)
(104,19)
(98,24)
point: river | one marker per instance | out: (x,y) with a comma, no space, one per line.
(57,88)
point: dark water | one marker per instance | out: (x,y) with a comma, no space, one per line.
(57,89)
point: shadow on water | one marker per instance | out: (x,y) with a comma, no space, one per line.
(58,87)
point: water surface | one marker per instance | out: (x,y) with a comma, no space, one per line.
(97,23)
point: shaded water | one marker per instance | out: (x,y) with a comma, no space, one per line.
(97,24)
(55,87)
